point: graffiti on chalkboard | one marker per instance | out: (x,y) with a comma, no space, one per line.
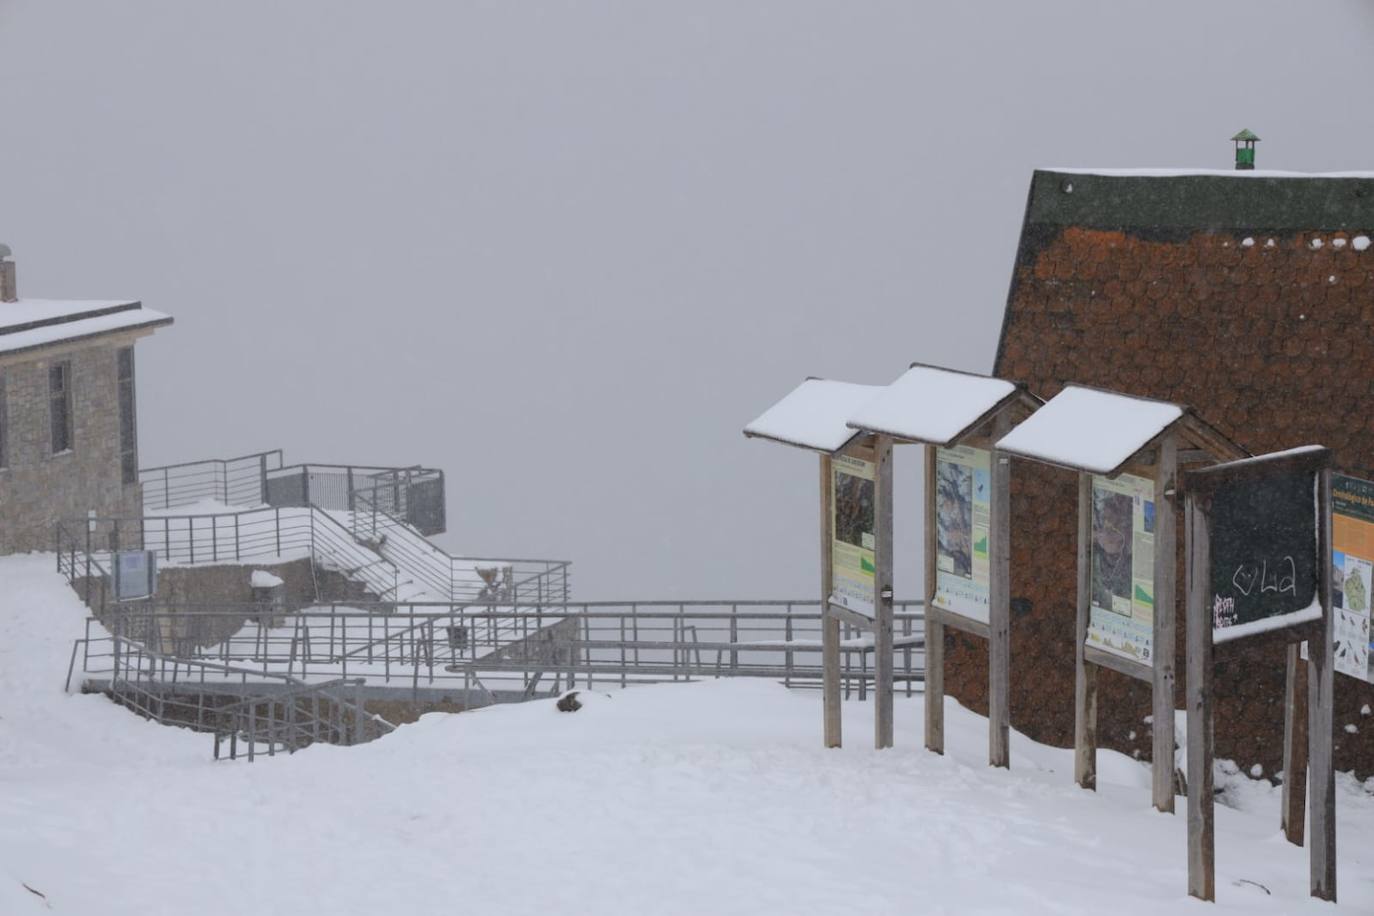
(1223,611)
(1254,576)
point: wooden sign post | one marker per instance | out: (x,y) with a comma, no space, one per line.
(1259,566)
(1127,452)
(959,416)
(856,576)
(856,533)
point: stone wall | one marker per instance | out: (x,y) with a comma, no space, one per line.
(1269,334)
(40,488)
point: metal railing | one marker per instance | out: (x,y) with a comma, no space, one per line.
(415,493)
(464,580)
(293,715)
(85,547)
(511,651)
(234,481)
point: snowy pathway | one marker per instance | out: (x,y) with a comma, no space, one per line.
(710,797)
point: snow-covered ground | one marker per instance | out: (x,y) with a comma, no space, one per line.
(708,797)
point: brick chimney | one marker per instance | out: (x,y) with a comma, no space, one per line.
(9,290)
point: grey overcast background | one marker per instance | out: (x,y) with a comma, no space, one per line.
(567,250)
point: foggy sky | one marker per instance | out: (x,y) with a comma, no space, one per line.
(565,251)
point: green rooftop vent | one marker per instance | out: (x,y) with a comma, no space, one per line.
(1245,150)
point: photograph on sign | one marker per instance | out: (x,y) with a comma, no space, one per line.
(852,534)
(1123,564)
(1264,554)
(962,489)
(1352,555)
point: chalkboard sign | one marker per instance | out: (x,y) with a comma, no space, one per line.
(1264,543)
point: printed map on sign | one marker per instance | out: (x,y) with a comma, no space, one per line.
(962,481)
(1352,560)
(1123,566)
(852,540)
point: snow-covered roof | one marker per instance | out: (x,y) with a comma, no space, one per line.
(1220,173)
(930,404)
(1090,430)
(31,323)
(814,415)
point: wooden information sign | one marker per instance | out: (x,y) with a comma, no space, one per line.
(958,417)
(856,532)
(1258,538)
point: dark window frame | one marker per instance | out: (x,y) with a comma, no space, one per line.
(60,420)
(126,393)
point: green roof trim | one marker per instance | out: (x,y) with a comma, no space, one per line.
(1245,135)
(1219,201)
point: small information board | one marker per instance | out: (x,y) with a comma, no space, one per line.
(1352,561)
(963,494)
(135,574)
(1260,561)
(1264,553)
(853,533)
(1122,615)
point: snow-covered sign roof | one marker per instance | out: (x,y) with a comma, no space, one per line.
(1244,174)
(814,415)
(31,323)
(1087,429)
(934,405)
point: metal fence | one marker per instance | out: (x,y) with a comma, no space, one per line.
(464,580)
(415,494)
(85,547)
(269,712)
(232,481)
(485,654)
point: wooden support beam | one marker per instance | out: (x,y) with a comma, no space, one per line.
(830,626)
(1201,839)
(1320,688)
(999,605)
(882,596)
(1295,746)
(1085,673)
(1165,637)
(935,628)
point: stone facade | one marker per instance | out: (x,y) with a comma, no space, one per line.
(38,488)
(1250,299)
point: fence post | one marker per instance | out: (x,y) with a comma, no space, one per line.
(350,488)
(734,639)
(262,478)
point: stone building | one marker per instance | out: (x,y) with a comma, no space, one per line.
(68,416)
(1246,295)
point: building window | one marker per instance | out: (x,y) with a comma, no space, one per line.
(60,406)
(4,428)
(128,417)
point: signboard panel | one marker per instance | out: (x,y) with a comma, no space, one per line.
(1123,566)
(963,483)
(1352,555)
(135,574)
(1264,552)
(852,533)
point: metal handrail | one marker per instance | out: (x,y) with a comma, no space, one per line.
(147,690)
(455,648)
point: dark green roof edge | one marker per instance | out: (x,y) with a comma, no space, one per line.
(1202,202)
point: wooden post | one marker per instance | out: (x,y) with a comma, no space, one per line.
(830,625)
(935,630)
(882,594)
(999,606)
(1319,691)
(1165,635)
(1201,841)
(1295,746)
(1085,673)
